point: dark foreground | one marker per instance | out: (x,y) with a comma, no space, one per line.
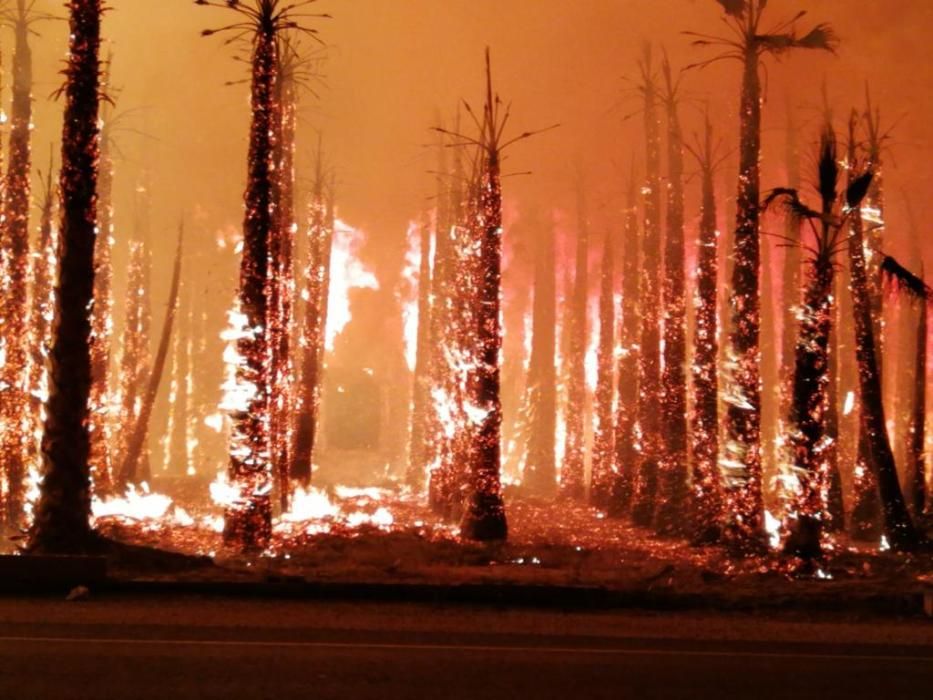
(161,647)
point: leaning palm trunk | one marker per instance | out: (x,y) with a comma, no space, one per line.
(649,371)
(603,437)
(572,483)
(14,229)
(706,501)
(539,477)
(897,524)
(670,513)
(129,471)
(62,515)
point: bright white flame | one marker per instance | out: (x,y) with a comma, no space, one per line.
(849,403)
(347,272)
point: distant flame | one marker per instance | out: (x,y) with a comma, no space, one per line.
(347,272)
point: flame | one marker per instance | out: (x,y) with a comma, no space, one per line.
(408,294)
(141,505)
(347,272)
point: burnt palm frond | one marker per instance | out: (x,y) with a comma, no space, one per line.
(858,189)
(792,205)
(266,17)
(904,280)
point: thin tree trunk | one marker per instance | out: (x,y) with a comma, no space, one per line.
(572,484)
(625,462)
(741,462)
(671,509)
(15,409)
(129,471)
(62,515)
(706,502)
(898,527)
(649,375)
(539,477)
(603,437)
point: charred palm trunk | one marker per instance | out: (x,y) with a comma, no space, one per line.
(419,433)
(811,443)
(312,338)
(44,268)
(131,468)
(539,477)
(15,408)
(102,319)
(671,509)
(649,375)
(248,522)
(281,285)
(572,470)
(898,527)
(484,514)
(134,362)
(706,501)
(741,458)
(62,514)
(603,438)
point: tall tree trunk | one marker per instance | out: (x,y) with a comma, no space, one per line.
(539,477)
(572,484)
(603,437)
(312,335)
(248,522)
(14,231)
(419,434)
(625,461)
(898,527)
(741,462)
(671,508)
(101,421)
(62,515)
(811,443)
(706,502)
(649,373)
(484,515)
(179,453)
(130,469)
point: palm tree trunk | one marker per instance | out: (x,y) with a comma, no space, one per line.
(539,477)
(603,438)
(248,522)
(706,502)
(62,515)
(130,471)
(898,527)
(671,508)
(649,374)
(15,408)
(811,443)
(741,461)
(625,460)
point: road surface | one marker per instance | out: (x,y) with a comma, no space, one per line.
(171,648)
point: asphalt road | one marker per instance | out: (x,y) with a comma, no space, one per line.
(192,648)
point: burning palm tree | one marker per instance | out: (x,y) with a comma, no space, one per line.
(603,438)
(248,518)
(706,501)
(62,515)
(811,439)
(749,41)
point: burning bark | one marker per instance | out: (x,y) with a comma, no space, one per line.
(62,514)
(14,229)
(603,439)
